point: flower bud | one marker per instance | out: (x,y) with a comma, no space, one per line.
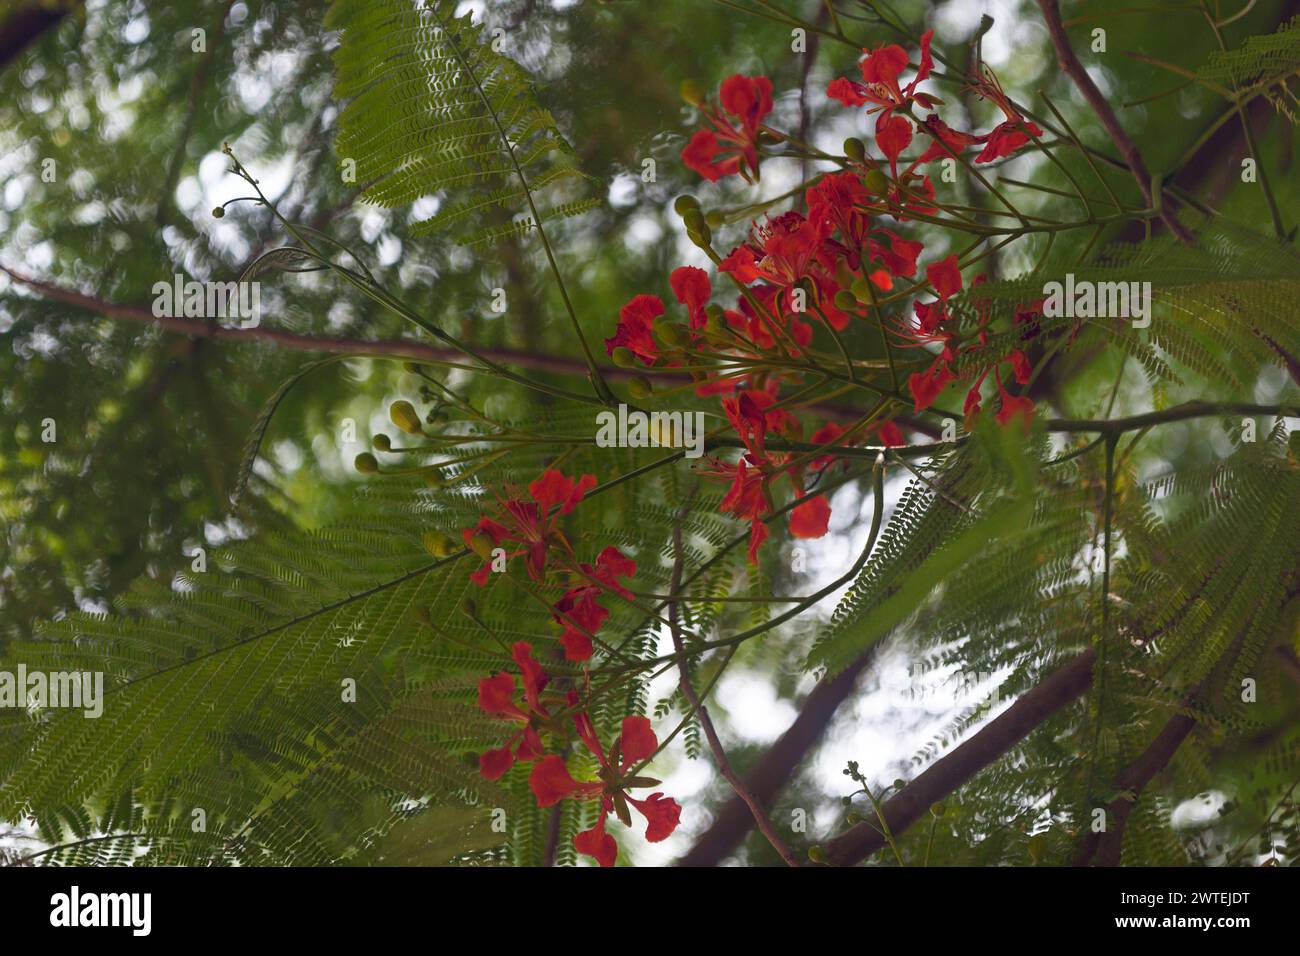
(670,333)
(715,321)
(366,463)
(691,92)
(382,442)
(694,220)
(436,543)
(862,290)
(219,212)
(876,182)
(701,238)
(482,545)
(816,854)
(405,417)
(845,300)
(855,149)
(937,809)
(685,203)
(639,387)
(623,357)
(714,219)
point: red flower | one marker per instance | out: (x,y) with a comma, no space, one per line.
(551,783)
(1020,366)
(579,609)
(945,276)
(692,288)
(891,436)
(926,386)
(810,519)
(880,72)
(496,697)
(529,523)
(1011,134)
(744,100)
(779,250)
(634,328)
(943,135)
(747,500)
(1013,407)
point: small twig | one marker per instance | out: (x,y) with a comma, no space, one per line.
(706,723)
(1070,65)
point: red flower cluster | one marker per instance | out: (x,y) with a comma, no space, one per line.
(550,779)
(795,271)
(532,525)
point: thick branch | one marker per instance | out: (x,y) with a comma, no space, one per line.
(948,773)
(1103,849)
(773,772)
(1097,101)
(26,25)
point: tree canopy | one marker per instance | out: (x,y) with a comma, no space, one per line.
(538,433)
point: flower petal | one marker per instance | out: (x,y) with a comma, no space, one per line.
(597,843)
(663,814)
(637,741)
(550,781)
(810,519)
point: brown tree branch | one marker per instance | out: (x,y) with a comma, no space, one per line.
(27,24)
(1071,66)
(1103,849)
(773,772)
(387,348)
(948,773)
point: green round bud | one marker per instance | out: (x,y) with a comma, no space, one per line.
(938,809)
(852,819)
(436,543)
(639,387)
(219,212)
(861,289)
(845,300)
(623,357)
(482,544)
(694,220)
(899,783)
(817,854)
(703,237)
(855,149)
(846,801)
(366,463)
(685,203)
(382,442)
(876,182)
(715,321)
(405,417)
(714,219)
(670,333)
(691,92)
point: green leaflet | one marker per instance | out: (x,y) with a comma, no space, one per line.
(434,111)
